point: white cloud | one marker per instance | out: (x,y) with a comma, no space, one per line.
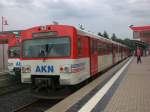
(40,3)
(8,2)
(113,16)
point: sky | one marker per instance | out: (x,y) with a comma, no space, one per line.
(113,16)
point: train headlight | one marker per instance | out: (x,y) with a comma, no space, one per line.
(26,69)
(65,69)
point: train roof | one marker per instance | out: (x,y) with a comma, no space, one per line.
(90,34)
(4,38)
(15,32)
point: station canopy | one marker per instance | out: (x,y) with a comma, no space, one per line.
(5,36)
(140,28)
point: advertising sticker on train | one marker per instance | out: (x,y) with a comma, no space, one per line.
(77,67)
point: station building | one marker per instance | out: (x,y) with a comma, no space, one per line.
(141,36)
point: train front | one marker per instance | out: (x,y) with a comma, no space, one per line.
(47,57)
(14,63)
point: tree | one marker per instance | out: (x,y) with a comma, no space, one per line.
(105,35)
(125,41)
(99,33)
(130,44)
(114,37)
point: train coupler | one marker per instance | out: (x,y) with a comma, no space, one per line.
(44,83)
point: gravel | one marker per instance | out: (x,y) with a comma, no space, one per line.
(10,102)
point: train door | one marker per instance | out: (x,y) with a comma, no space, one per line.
(93,56)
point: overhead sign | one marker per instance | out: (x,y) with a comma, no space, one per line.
(44,34)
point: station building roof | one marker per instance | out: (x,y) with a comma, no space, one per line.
(140,28)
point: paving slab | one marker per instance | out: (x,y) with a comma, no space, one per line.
(133,93)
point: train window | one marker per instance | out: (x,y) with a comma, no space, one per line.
(93,46)
(79,47)
(117,49)
(14,52)
(107,47)
(99,48)
(110,48)
(51,47)
(104,48)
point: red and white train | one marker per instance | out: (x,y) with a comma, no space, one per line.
(64,55)
(14,63)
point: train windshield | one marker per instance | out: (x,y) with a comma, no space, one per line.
(14,52)
(49,47)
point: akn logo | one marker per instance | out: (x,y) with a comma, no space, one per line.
(18,63)
(44,68)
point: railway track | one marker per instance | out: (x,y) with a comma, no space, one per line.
(14,87)
(39,105)
(9,83)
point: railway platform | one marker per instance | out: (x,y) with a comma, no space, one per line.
(125,91)
(133,92)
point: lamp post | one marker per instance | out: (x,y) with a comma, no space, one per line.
(4,22)
(3,46)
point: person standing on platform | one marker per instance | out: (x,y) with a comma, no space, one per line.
(138,54)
